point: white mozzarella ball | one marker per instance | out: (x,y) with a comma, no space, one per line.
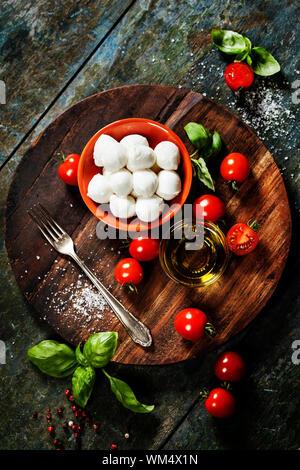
(102,143)
(109,153)
(122,207)
(169,184)
(132,140)
(121,182)
(140,157)
(99,189)
(144,183)
(149,209)
(167,155)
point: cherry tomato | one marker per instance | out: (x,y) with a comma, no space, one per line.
(191,324)
(144,249)
(210,206)
(242,238)
(238,75)
(220,403)
(229,366)
(235,167)
(68,169)
(129,271)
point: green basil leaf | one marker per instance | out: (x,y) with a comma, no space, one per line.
(100,348)
(215,146)
(126,396)
(81,359)
(200,137)
(53,358)
(229,42)
(83,381)
(203,173)
(249,60)
(243,55)
(263,63)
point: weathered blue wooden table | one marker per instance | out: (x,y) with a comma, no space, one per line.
(56,53)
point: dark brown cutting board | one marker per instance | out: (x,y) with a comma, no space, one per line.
(65,299)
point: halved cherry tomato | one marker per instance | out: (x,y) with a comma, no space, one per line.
(144,249)
(238,75)
(220,403)
(191,324)
(242,238)
(210,206)
(229,366)
(235,167)
(129,271)
(68,169)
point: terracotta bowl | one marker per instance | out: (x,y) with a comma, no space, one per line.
(155,133)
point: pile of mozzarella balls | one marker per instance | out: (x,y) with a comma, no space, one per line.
(136,180)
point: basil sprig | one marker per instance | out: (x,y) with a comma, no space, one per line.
(207,145)
(126,396)
(232,43)
(59,360)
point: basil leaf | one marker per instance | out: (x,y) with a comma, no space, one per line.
(203,173)
(249,60)
(53,358)
(81,359)
(243,55)
(229,42)
(263,63)
(215,146)
(100,348)
(126,396)
(83,381)
(199,136)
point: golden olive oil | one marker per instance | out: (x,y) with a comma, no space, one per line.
(195,255)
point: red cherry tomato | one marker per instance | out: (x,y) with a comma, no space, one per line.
(220,403)
(129,271)
(229,366)
(68,169)
(242,238)
(235,167)
(210,206)
(238,75)
(190,323)
(144,249)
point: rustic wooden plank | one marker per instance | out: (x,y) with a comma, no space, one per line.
(40,51)
(46,283)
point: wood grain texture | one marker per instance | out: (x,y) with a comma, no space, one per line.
(231,303)
(40,52)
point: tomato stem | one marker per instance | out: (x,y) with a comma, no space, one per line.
(210,329)
(204,393)
(234,185)
(131,287)
(253,224)
(60,156)
(227,385)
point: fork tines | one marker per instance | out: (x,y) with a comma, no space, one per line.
(47,225)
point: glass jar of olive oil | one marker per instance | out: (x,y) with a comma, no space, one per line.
(195,255)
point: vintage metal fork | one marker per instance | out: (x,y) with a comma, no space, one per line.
(63,243)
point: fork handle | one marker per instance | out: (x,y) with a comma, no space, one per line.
(138,332)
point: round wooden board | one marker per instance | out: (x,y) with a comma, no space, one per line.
(63,297)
